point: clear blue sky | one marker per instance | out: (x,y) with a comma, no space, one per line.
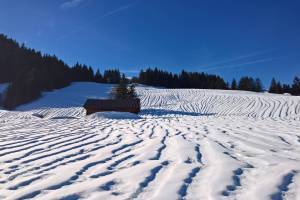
(231,38)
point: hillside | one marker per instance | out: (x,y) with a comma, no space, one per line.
(223,103)
(30,73)
(185,144)
(74,95)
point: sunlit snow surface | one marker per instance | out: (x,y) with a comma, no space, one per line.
(185,144)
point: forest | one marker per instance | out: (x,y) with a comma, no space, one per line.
(157,77)
(30,73)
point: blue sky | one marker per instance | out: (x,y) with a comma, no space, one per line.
(231,38)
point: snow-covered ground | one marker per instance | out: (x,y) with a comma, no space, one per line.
(73,96)
(185,144)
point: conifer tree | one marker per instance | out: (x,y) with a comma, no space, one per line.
(258,85)
(98,77)
(120,91)
(131,92)
(275,87)
(233,84)
(296,86)
(112,76)
(286,88)
(279,88)
(247,84)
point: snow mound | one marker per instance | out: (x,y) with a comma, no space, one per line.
(114,115)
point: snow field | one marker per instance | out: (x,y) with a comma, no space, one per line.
(186,144)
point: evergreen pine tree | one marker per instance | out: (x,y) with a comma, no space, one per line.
(131,92)
(279,88)
(246,83)
(233,84)
(273,86)
(286,88)
(296,86)
(258,85)
(120,91)
(98,77)
(112,76)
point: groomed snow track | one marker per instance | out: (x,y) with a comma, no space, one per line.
(188,144)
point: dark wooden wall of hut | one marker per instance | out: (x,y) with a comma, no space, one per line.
(118,105)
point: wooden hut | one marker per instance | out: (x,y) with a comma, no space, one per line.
(118,105)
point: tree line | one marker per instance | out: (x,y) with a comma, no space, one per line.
(29,73)
(200,80)
(157,77)
(248,84)
(278,88)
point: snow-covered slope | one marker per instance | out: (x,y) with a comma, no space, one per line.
(66,102)
(222,102)
(73,96)
(185,144)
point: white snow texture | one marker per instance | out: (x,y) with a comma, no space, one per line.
(185,144)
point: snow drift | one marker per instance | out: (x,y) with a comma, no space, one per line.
(187,144)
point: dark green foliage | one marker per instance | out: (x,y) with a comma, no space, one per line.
(233,84)
(112,76)
(247,83)
(98,77)
(258,85)
(295,90)
(275,87)
(30,73)
(286,88)
(131,91)
(156,77)
(81,72)
(278,88)
(23,90)
(122,91)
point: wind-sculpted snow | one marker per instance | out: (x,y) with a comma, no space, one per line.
(185,144)
(222,103)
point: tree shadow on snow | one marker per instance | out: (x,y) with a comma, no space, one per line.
(164,112)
